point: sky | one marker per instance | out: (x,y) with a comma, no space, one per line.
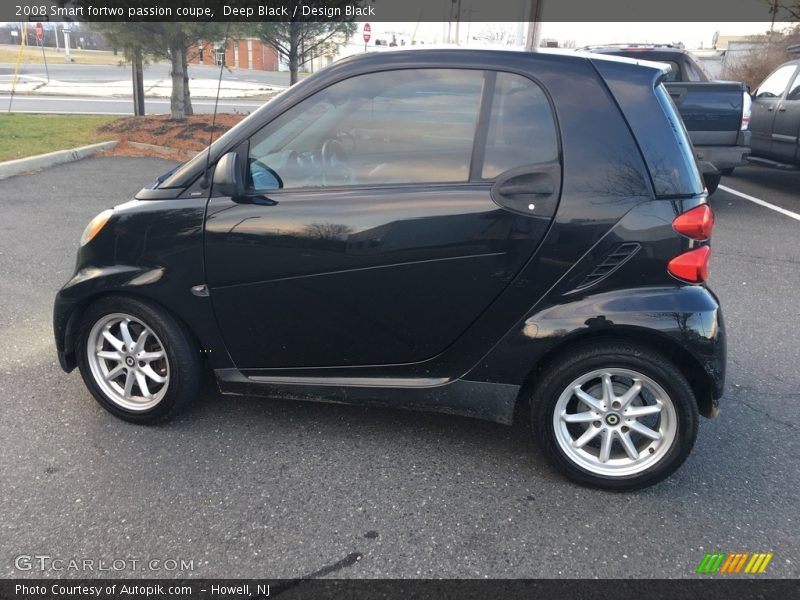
(693,35)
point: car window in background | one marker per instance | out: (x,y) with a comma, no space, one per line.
(522,130)
(694,71)
(775,84)
(392,127)
(674,73)
(794,89)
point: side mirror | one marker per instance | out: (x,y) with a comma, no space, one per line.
(228,180)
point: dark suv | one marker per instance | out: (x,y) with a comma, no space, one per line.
(480,233)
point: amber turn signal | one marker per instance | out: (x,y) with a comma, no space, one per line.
(95,226)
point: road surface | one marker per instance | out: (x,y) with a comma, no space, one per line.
(115,106)
(99,73)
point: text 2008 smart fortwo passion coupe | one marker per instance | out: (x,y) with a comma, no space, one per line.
(467,231)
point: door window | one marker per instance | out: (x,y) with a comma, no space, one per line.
(794,89)
(522,130)
(392,127)
(775,84)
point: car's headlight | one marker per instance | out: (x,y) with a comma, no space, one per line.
(95,225)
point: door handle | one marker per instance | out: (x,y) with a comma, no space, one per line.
(782,108)
(533,188)
(530,190)
(770,108)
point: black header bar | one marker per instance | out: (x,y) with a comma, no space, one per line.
(439,589)
(400,10)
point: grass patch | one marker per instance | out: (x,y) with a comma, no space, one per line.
(33,55)
(27,135)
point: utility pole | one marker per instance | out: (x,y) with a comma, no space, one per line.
(534,25)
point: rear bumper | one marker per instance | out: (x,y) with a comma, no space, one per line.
(716,158)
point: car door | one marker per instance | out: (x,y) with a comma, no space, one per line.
(787,123)
(765,102)
(370,233)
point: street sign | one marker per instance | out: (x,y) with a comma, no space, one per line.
(39,32)
(367,32)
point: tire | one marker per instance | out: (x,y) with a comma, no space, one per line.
(712,182)
(154,379)
(728,171)
(663,386)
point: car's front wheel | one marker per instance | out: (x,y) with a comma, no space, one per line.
(137,360)
(615,416)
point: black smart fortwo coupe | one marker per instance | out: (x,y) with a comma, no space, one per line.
(470,232)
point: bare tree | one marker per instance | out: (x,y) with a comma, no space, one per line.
(792,7)
(328,231)
(755,65)
(300,40)
(500,34)
(162,40)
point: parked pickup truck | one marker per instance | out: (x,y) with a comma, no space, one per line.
(716,113)
(776,115)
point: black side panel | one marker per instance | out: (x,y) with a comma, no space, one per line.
(490,401)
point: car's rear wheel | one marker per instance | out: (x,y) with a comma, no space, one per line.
(615,416)
(137,360)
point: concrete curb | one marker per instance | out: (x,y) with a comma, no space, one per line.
(42,161)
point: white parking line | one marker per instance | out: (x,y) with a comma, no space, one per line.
(760,202)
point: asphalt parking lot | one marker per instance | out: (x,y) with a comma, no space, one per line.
(258,488)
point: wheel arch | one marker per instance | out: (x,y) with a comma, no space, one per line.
(691,367)
(72,330)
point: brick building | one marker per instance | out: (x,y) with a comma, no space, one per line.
(249,53)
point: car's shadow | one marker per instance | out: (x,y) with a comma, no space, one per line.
(268,416)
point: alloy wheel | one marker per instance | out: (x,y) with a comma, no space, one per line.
(128,361)
(615,422)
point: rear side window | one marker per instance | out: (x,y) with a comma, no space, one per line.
(689,167)
(522,129)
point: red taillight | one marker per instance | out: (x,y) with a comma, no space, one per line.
(692,265)
(696,223)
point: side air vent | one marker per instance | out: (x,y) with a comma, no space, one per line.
(615,259)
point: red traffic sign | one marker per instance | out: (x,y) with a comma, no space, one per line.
(39,32)
(367,32)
